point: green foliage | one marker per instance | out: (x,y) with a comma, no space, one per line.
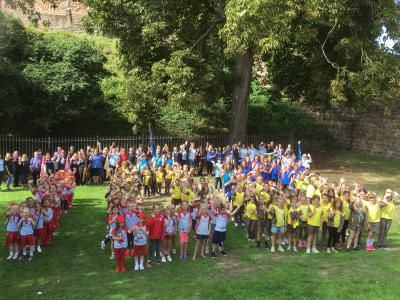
(273,116)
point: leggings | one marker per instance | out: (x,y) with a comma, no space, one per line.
(158,188)
(344,229)
(1,177)
(239,215)
(262,228)
(218,183)
(383,231)
(130,241)
(323,234)
(303,230)
(251,229)
(333,237)
(154,246)
(64,205)
(167,186)
(209,167)
(120,257)
(146,189)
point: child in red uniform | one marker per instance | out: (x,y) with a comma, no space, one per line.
(155,225)
(140,234)
(120,238)
(12,219)
(48,215)
(25,226)
(38,230)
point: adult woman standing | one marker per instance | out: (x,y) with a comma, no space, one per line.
(96,165)
(8,170)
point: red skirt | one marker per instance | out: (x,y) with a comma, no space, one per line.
(26,240)
(12,238)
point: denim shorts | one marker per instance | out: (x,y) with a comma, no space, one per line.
(275,230)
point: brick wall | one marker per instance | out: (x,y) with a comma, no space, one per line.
(56,18)
(369,132)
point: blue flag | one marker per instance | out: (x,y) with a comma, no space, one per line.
(153,145)
(299,151)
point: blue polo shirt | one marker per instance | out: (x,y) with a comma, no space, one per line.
(97,161)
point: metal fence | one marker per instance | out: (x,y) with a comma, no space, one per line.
(49,144)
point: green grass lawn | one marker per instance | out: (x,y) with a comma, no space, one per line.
(75,266)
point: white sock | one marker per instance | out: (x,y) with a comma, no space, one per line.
(136,260)
(141,260)
(24,253)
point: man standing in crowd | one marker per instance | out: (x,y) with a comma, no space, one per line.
(35,164)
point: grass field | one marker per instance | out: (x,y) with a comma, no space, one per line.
(75,266)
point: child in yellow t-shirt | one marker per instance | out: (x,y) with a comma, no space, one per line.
(159,180)
(293,216)
(335,223)
(303,220)
(251,215)
(238,197)
(146,181)
(326,205)
(278,224)
(314,222)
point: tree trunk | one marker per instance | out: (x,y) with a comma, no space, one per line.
(240,99)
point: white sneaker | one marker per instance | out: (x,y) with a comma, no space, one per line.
(136,267)
(308,251)
(15,255)
(294,249)
(174,251)
(314,250)
(289,248)
(112,256)
(207,250)
(141,267)
(328,250)
(236,224)
(334,250)
(232,219)
(273,249)
(103,245)
(39,249)
(280,249)
(10,256)
(169,258)
(163,259)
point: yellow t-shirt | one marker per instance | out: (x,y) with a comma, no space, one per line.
(280,216)
(251,211)
(298,184)
(346,210)
(387,212)
(169,174)
(270,208)
(374,212)
(304,211)
(258,188)
(336,218)
(325,209)
(160,177)
(146,177)
(294,223)
(315,219)
(266,196)
(176,192)
(239,197)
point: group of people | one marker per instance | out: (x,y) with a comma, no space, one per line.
(274,195)
(31,223)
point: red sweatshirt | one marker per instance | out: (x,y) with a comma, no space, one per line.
(155,225)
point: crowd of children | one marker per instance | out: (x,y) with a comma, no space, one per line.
(30,225)
(278,200)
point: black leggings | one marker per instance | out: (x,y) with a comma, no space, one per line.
(251,229)
(333,237)
(344,229)
(209,167)
(218,183)
(154,245)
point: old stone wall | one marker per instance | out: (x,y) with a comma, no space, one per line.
(370,132)
(67,15)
